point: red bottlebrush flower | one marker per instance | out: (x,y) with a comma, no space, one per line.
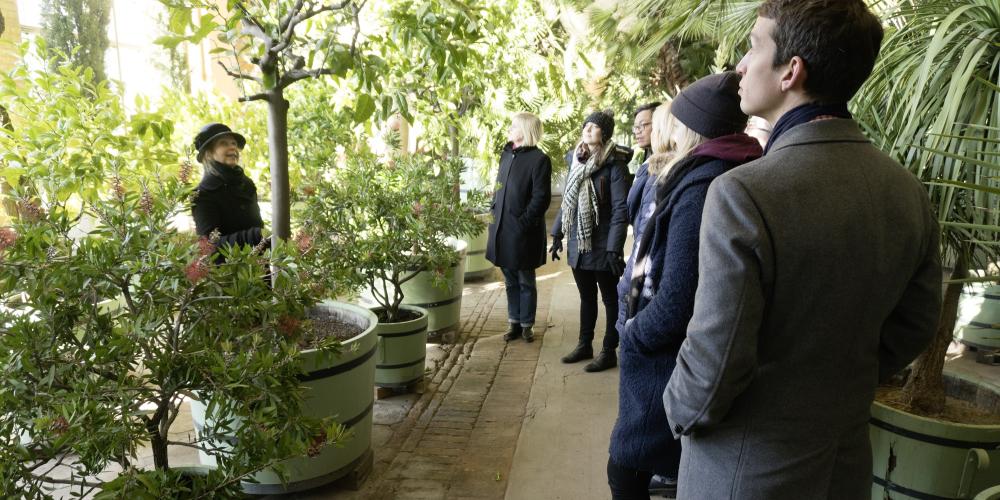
(417,208)
(185,173)
(117,188)
(205,247)
(288,326)
(59,426)
(30,211)
(316,445)
(146,202)
(7,238)
(309,191)
(303,241)
(196,271)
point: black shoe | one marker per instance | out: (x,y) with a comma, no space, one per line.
(603,361)
(662,486)
(529,336)
(514,332)
(582,352)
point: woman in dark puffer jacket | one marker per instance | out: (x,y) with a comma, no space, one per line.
(706,131)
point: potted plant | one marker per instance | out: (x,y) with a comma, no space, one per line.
(386,219)
(112,328)
(932,101)
(111,318)
(476,265)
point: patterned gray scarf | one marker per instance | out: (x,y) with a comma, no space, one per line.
(579,204)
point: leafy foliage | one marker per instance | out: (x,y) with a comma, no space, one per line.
(110,316)
(385,220)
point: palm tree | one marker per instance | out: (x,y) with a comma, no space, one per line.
(933,102)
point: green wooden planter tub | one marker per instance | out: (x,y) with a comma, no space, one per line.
(476,265)
(444,303)
(339,386)
(402,349)
(928,459)
(983,331)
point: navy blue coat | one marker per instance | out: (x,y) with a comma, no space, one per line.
(641,438)
(517,233)
(641,203)
(611,184)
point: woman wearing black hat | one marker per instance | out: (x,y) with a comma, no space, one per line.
(594,214)
(226,199)
(705,126)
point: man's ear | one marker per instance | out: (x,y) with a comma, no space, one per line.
(795,74)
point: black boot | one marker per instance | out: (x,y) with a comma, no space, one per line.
(529,336)
(513,332)
(580,353)
(606,359)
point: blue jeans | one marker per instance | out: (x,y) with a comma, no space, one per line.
(522,296)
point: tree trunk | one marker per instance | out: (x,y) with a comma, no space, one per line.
(277,138)
(159,445)
(924,390)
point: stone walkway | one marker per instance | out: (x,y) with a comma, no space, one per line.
(457,439)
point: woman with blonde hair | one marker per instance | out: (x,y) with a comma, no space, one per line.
(594,214)
(517,234)
(703,128)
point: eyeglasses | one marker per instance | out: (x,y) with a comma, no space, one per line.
(640,127)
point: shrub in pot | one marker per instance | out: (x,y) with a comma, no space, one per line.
(387,220)
(108,332)
(932,102)
(110,317)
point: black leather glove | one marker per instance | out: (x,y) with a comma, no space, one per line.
(615,263)
(555,248)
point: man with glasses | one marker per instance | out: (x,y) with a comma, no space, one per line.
(642,128)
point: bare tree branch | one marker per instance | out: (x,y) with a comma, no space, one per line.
(356,13)
(263,96)
(252,26)
(240,74)
(73,482)
(295,17)
(295,75)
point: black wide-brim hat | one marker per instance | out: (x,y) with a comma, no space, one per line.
(213,131)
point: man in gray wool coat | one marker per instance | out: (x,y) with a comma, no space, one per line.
(819,276)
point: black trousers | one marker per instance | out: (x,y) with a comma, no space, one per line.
(628,484)
(588,282)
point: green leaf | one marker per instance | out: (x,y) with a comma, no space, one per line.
(364,108)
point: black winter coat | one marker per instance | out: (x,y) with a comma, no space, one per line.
(228,202)
(611,185)
(517,233)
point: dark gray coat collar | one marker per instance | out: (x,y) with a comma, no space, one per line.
(820,131)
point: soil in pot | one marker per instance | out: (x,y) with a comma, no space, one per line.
(403,316)
(955,410)
(325,324)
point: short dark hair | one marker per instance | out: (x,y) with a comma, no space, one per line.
(646,107)
(838,40)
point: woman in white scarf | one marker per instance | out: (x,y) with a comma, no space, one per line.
(594,215)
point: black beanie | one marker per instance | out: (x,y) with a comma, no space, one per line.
(711,106)
(605,121)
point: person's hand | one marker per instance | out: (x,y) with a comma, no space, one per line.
(615,263)
(556,248)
